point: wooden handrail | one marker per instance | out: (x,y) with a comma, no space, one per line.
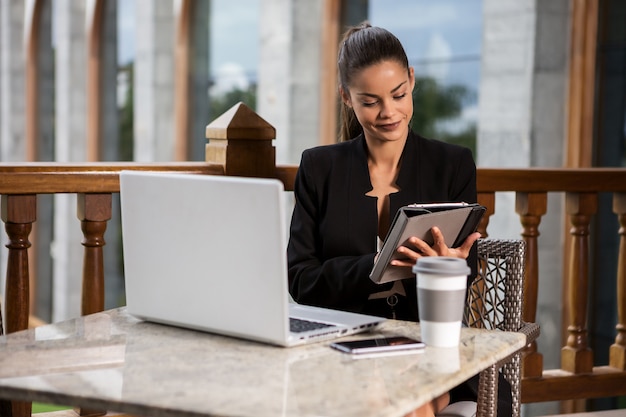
(52,178)
(531,180)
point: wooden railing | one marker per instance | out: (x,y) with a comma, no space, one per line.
(240,143)
(94,185)
(577,377)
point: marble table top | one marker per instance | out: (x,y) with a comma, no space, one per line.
(114,361)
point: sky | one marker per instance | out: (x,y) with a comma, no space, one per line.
(442,38)
(125,31)
(430,30)
(242,32)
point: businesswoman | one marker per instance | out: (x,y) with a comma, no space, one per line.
(347,193)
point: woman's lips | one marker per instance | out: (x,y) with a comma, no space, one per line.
(389,126)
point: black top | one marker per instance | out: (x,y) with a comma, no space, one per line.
(334,228)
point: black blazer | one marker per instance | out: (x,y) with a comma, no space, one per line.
(334,226)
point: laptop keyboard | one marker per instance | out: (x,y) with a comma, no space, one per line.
(299,325)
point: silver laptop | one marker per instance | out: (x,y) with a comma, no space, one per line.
(209,253)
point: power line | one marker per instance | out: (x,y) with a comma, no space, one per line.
(442,60)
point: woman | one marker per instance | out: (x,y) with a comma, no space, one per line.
(347,193)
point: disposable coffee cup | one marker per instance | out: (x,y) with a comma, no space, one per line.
(441,285)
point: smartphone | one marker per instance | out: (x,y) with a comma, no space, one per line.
(378,345)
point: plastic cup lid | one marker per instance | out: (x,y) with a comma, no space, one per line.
(441,265)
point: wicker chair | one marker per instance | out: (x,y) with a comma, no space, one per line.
(495,302)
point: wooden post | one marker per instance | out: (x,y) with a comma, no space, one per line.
(531,207)
(241,141)
(94,80)
(182,109)
(618,349)
(581,87)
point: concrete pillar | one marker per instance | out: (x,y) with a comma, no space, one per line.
(154,81)
(12,98)
(70,146)
(522,124)
(306,70)
(506,79)
(274,76)
(289,74)
(12,81)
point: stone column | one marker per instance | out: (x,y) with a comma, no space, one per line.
(154,81)
(12,81)
(70,146)
(289,74)
(12,97)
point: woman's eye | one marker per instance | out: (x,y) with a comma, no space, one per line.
(400,96)
(369,103)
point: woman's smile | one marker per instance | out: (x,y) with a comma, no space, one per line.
(389,126)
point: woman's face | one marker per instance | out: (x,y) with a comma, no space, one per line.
(381,96)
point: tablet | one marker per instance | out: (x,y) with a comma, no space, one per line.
(455,220)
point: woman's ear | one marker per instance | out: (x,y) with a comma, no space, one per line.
(412,77)
(345,97)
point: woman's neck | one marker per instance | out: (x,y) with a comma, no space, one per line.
(385,155)
(383,162)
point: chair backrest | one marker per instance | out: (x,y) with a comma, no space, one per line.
(495,298)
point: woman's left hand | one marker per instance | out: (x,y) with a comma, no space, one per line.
(439,248)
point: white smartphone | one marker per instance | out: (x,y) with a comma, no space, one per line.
(378,345)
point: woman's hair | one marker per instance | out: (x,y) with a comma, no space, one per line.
(362,46)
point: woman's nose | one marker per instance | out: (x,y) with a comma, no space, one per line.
(386,109)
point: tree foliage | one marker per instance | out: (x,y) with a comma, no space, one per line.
(219,104)
(434,104)
(126,119)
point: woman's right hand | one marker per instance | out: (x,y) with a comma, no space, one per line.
(420,248)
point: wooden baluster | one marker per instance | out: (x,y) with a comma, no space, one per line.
(94,210)
(5,405)
(531,207)
(576,356)
(489,201)
(618,349)
(18,214)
